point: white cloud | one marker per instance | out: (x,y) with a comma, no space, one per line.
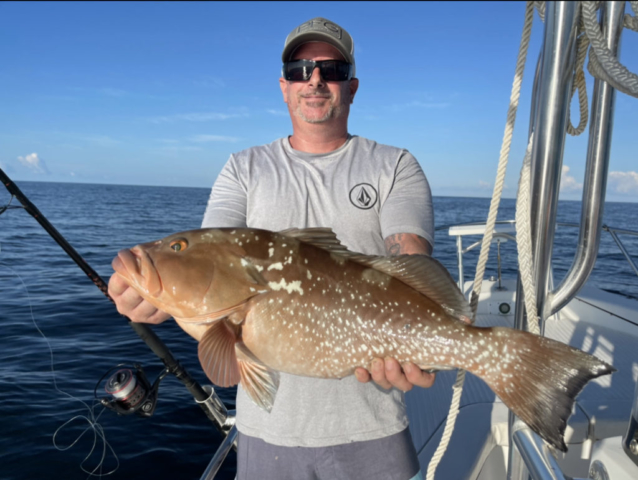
(33,162)
(113,92)
(623,182)
(419,104)
(213,138)
(209,81)
(567,182)
(279,113)
(101,140)
(196,117)
(484,184)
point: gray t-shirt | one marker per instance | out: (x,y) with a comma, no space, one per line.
(365,192)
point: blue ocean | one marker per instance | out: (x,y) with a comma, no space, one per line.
(38,281)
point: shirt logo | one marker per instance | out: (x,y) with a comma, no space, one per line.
(363,196)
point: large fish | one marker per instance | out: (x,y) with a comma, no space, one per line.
(299,302)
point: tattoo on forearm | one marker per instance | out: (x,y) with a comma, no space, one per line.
(408,243)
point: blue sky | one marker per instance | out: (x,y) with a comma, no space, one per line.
(161,93)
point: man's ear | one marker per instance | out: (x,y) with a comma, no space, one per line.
(353,86)
(283,84)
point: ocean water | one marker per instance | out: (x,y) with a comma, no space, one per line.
(88,336)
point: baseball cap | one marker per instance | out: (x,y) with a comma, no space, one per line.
(320,30)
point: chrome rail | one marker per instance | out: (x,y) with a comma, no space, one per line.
(613,232)
(595,184)
(220,455)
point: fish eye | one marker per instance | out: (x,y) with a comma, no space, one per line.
(179,245)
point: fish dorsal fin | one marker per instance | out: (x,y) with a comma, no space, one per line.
(424,274)
(257,380)
(421,272)
(216,353)
(319,237)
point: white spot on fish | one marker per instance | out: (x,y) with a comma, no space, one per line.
(259,268)
(271,252)
(244,263)
(309,275)
(276,266)
(294,286)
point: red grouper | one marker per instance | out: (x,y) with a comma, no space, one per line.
(298,301)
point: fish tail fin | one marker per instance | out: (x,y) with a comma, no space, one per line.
(539,379)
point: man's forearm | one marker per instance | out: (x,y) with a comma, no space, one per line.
(407,243)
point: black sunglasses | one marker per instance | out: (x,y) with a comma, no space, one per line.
(330,70)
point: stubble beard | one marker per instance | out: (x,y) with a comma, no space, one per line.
(334,111)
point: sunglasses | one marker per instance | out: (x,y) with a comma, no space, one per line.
(330,70)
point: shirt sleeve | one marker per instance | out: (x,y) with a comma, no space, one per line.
(408,207)
(228,199)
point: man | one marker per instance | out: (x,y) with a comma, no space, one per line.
(377,200)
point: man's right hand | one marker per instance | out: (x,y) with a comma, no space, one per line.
(131,304)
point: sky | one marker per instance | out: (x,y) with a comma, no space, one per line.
(161,93)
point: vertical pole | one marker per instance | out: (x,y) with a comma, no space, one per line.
(550,120)
(559,53)
(459,257)
(595,185)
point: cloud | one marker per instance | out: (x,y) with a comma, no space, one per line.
(209,81)
(279,113)
(567,182)
(484,184)
(213,138)
(101,140)
(196,117)
(419,104)
(35,163)
(623,182)
(113,92)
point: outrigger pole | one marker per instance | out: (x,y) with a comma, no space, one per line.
(207,400)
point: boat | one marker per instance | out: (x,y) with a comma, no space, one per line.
(478,438)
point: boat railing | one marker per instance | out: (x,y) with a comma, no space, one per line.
(503,232)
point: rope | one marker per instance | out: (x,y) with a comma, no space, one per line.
(602,63)
(489,229)
(524,239)
(580,85)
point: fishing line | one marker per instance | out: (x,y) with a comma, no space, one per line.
(91,419)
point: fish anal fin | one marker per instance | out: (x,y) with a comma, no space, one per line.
(258,381)
(217,353)
(426,275)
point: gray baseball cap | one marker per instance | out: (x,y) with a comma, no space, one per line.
(320,30)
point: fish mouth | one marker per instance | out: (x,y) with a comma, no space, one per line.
(136,266)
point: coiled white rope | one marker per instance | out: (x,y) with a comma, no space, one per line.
(602,63)
(489,229)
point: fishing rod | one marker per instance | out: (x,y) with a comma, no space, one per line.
(206,397)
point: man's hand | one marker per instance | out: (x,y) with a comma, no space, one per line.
(131,304)
(388,374)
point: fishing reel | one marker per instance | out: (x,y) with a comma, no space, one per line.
(130,390)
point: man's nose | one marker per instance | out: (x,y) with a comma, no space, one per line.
(315,78)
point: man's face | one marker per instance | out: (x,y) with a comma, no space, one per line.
(318,101)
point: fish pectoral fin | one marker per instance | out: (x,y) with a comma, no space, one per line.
(217,353)
(258,381)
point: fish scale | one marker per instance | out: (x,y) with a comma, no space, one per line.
(297,301)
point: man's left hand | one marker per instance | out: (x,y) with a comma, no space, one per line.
(388,373)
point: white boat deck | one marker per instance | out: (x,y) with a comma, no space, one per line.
(600,323)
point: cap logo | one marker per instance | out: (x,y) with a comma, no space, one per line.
(327,27)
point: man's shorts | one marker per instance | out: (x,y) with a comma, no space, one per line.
(389,458)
